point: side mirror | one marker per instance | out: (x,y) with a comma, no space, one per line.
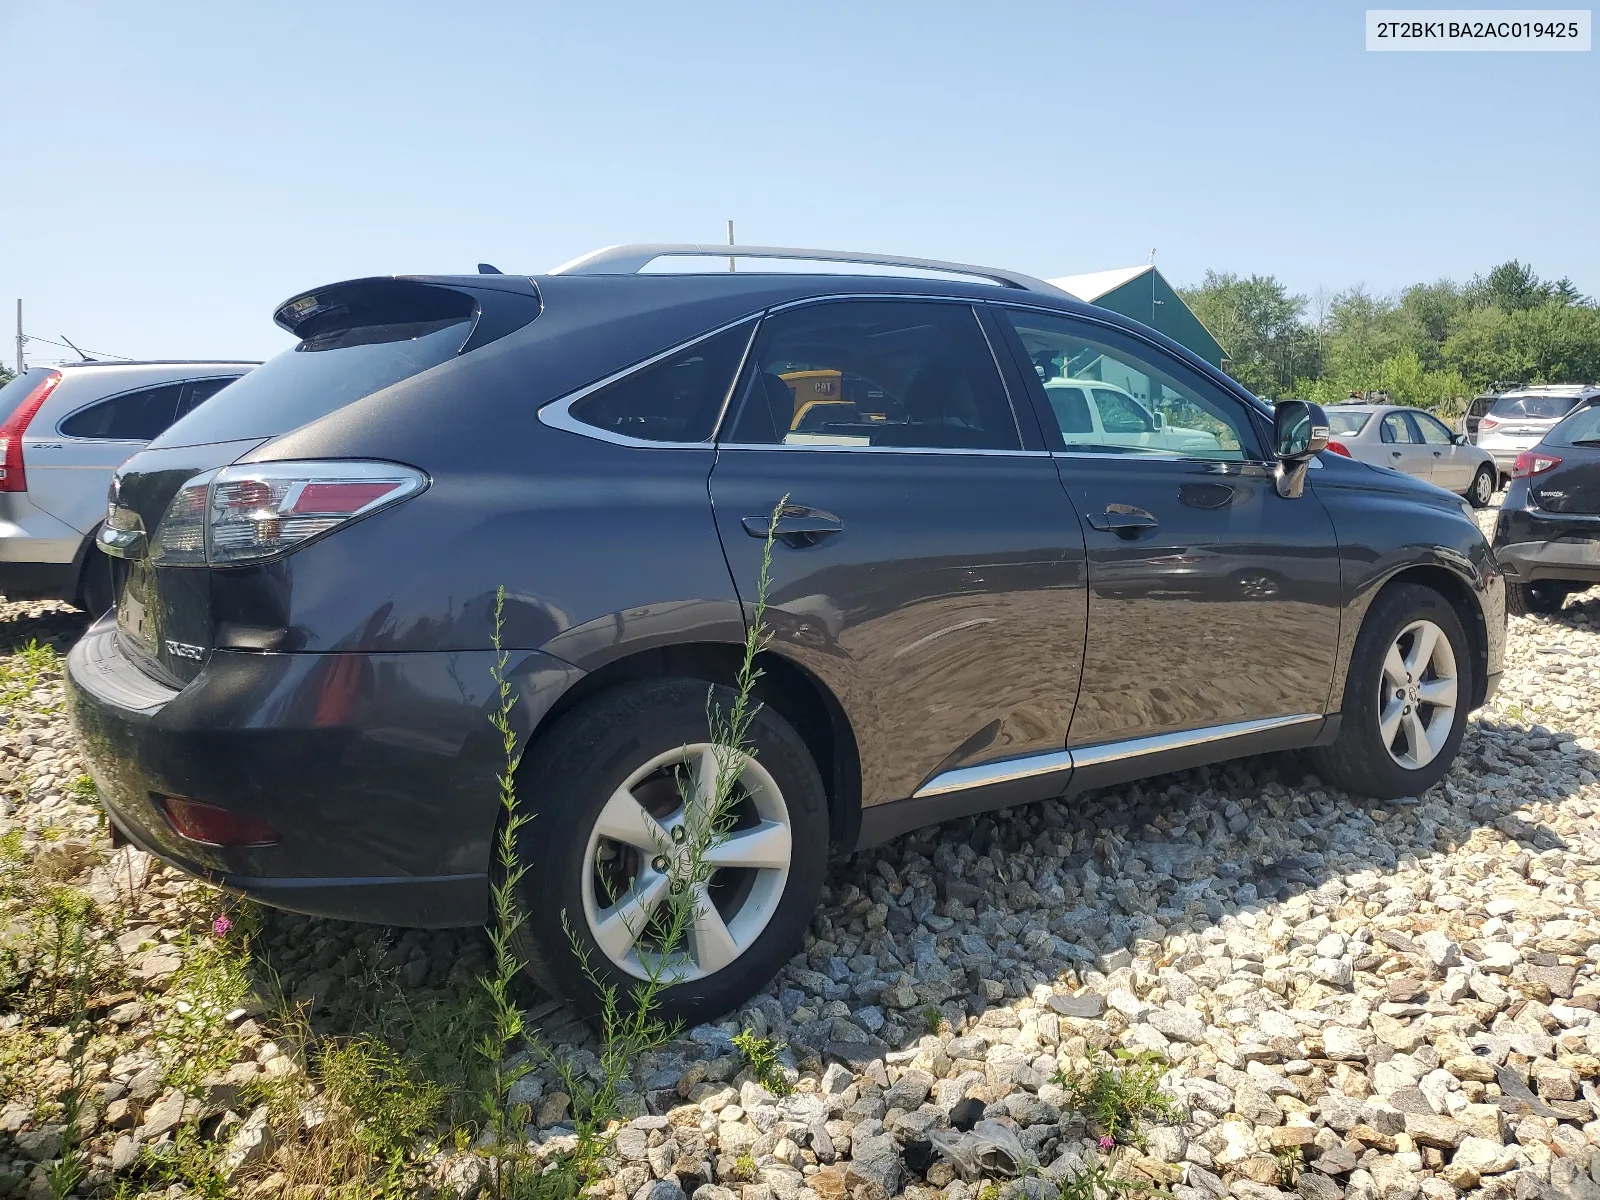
(1159,419)
(1299,434)
(1459,439)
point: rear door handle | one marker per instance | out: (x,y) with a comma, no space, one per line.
(796,525)
(1394,454)
(1122,519)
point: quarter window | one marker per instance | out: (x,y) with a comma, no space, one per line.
(674,400)
(902,374)
(201,390)
(132,417)
(1109,395)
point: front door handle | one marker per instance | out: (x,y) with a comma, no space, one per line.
(1438,453)
(1124,520)
(796,525)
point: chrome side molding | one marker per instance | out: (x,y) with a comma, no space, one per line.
(1010,770)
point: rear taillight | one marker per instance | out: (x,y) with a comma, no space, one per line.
(1487,422)
(214,826)
(13,475)
(1339,448)
(245,513)
(1531,462)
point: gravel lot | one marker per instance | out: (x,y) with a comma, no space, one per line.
(1354,998)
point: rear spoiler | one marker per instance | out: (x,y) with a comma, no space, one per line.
(495,304)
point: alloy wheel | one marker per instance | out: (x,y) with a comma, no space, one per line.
(639,851)
(1483,487)
(1418,694)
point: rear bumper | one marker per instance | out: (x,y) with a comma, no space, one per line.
(1533,545)
(377,770)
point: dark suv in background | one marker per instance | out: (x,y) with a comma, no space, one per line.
(1547,534)
(979,595)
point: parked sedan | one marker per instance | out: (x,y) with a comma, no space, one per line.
(1415,443)
(970,607)
(1547,536)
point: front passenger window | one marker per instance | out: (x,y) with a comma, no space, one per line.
(1146,404)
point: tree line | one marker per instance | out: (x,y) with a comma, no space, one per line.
(1434,345)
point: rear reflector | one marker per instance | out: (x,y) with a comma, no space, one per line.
(250,512)
(213,826)
(1339,448)
(13,475)
(1530,462)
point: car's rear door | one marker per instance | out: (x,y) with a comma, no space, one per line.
(1213,601)
(928,568)
(70,466)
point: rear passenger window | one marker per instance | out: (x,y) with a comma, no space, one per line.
(675,400)
(1395,430)
(874,373)
(132,417)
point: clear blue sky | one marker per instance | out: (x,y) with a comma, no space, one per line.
(178,168)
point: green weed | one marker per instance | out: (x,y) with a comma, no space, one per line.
(1116,1096)
(761,1056)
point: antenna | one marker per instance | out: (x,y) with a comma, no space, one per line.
(489,269)
(1152,259)
(79,353)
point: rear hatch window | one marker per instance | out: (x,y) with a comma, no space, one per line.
(354,340)
(1533,408)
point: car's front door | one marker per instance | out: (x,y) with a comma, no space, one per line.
(1213,601)
(1452,466)
(928,567)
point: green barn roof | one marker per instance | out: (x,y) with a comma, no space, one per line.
(1144,294)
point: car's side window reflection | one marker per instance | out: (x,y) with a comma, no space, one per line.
(1108,397)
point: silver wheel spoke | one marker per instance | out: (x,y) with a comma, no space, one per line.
(1421,748)
(710,943)
(624,819)
(1389,721)
(766,845)
(1421,648)
(1441,692)
(1394,668)
(619,927)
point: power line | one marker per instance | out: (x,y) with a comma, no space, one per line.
(33,337)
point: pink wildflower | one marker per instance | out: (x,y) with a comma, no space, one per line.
(221,925)
(1108,1143)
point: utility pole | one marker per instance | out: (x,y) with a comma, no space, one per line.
(730,242)
(21,366)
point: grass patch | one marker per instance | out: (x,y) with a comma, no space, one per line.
(1116,1096)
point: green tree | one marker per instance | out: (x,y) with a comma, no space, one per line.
(1259,323)
(1514,287)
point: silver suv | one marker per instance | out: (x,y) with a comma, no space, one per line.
(63,431)
(1518,419)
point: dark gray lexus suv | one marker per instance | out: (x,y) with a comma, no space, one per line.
(1029,548)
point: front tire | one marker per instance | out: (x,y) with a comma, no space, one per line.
(609,790)
(1483,484)
(1405,700)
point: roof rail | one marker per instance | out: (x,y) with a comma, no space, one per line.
(630,260)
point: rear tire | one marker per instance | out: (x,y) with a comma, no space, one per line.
(1544,597)
(1483,487)
(95,594)
(641,749)
(1405,699)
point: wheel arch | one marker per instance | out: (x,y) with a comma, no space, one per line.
(788,688)
(1462,596)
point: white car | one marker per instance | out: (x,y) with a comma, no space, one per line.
(1518,419)
(1105,415)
